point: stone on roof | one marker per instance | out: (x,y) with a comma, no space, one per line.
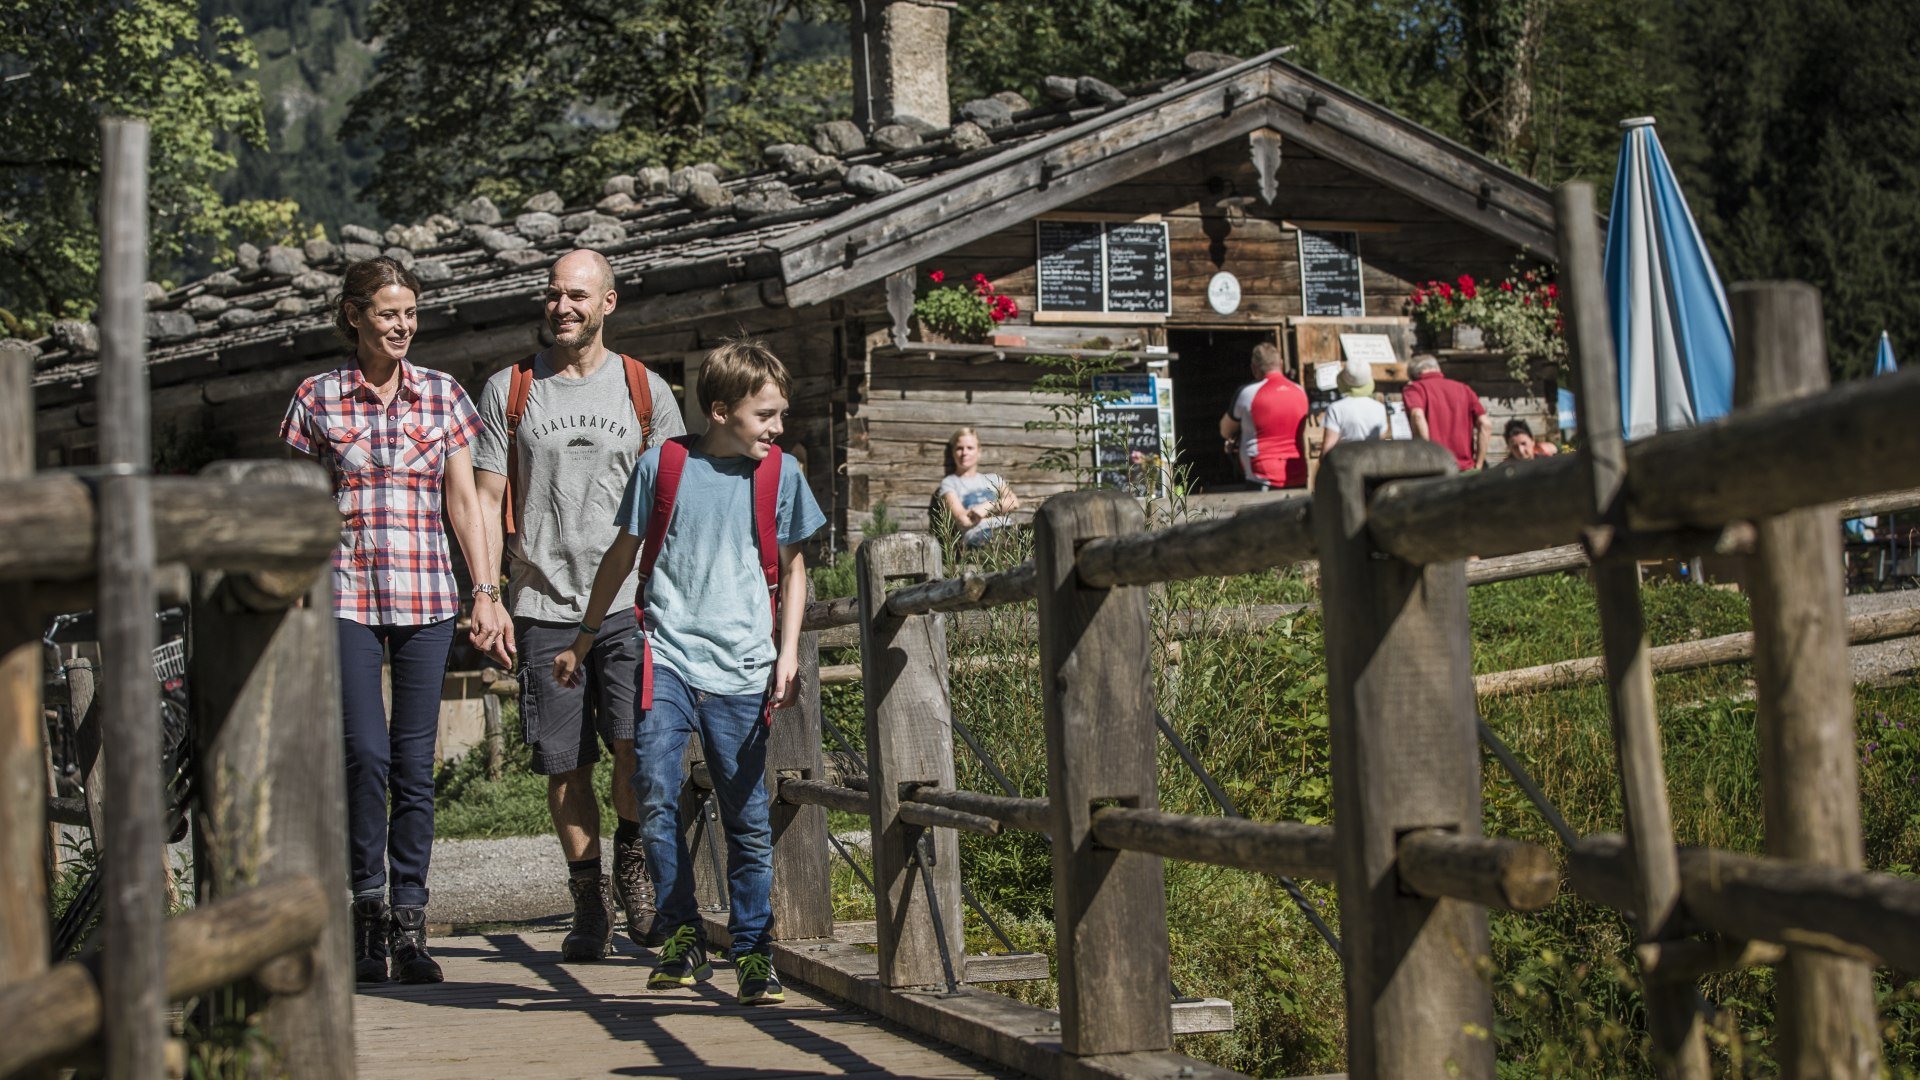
(221,282)
(896,137)
(765,197)
(153,293)
(619,185)
(586,219)
(247,256)
(442,225)
(319,250)
(1094,92)
(497,241)
(431,271)
(520,257)
(1060,88)
(811,164)
(537,225)
(169,325)
(415,237)
(354,253)
(700,189)
(235,318)
(319,282)
(206,305)
(478,210)
(284,261)
(711,169)
(839,138)
(358,234)
(290,305)
(403,256)
(616,203)
(547,202)
(967,136)
(776,155)
(600,236)
(76,336)
(653,179)
(868,180)
(1203,62)
(987,112)
(1012,101)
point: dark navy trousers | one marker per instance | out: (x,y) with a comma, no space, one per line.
(390,762)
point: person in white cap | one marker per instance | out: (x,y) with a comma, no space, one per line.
(1356,416)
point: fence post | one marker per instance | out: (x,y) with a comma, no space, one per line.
(1673,1019)
(23,785)
(270,797)
(909,739)
(1809,778)
(802,872)
(1096,679)
(1405,756)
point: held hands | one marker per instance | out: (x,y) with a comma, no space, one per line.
(492,632)
(567,666)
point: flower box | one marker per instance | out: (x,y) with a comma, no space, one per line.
(1468,336)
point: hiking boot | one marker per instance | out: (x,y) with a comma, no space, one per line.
(683,960)
(592,935)
(370,939)
(411,964)
(758,984)
(634,891)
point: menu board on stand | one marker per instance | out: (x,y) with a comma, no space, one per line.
(1133,431)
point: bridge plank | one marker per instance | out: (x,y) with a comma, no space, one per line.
(509,1004)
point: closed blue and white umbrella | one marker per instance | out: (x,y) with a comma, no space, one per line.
(1671,326)
(1883,364)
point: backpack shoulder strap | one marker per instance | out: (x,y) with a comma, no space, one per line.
(666,487)
(519,389)
(640,391)
(766,515)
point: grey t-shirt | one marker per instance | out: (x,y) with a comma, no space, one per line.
(578,442)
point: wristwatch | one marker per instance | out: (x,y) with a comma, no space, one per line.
(491,592)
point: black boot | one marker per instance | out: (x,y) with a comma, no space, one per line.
(370,940)
(411,964)
(592,935)
(633,888)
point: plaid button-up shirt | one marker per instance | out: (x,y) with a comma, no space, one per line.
(387,463)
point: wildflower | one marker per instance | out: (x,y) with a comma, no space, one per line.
(938,276)
(1506,286)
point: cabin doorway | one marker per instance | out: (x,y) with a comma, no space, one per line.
(1211,368)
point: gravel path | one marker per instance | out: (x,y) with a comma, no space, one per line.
(523,878)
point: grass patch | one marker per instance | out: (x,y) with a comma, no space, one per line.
(469,806)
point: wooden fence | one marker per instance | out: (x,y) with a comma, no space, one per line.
(270,827)
(1391,524)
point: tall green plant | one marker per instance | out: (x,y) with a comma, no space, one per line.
(1072,407)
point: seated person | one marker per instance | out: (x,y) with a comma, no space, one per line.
(1521,445)
(975,501)
(1356,416)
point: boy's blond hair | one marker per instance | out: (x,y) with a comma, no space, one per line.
(740,368)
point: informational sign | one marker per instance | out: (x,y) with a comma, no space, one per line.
(1139,273)
(1133,432)
(1072,265)
(1326,376)
(1104,267)
(1373,348)
(1330,274)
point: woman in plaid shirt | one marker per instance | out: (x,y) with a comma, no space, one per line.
(394,437)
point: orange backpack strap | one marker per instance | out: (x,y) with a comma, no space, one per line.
(519,389)
(640,390)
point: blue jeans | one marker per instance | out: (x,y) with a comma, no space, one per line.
(735,741)
(390,764)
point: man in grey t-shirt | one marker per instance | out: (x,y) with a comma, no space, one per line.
(574,451)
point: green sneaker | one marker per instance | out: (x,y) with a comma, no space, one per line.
(758,984)
(683,960)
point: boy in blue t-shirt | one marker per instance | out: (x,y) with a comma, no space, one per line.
(717,665)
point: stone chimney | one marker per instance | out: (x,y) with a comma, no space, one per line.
(900,63)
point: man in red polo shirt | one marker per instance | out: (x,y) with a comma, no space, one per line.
(1447,412)
(1265,421)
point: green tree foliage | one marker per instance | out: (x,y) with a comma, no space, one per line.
(513,98)
(64,64)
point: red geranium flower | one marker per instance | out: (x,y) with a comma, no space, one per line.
(1553,291)
(938,276)
(1506,286)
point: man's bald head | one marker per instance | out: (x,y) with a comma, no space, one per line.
(583,261)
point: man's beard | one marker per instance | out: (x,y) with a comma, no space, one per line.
(587,328)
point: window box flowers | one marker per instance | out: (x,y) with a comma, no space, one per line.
(963,313)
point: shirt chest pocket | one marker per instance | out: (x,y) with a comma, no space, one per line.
(423,449)
(352,451)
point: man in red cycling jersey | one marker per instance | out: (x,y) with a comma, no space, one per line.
(1263,426)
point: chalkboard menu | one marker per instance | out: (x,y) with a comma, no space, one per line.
(1330,274)
(1072,271)
(1130,421)
(1138,275)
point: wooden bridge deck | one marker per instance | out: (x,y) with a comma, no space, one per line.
(510,1008)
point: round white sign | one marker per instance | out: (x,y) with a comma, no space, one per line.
(1223,292)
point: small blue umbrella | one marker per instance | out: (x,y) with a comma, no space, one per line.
(1883,364)
(1671,325)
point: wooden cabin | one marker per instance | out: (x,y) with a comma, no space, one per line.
(1167,227)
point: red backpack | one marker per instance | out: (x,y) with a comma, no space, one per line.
(639,391)
(766,503)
